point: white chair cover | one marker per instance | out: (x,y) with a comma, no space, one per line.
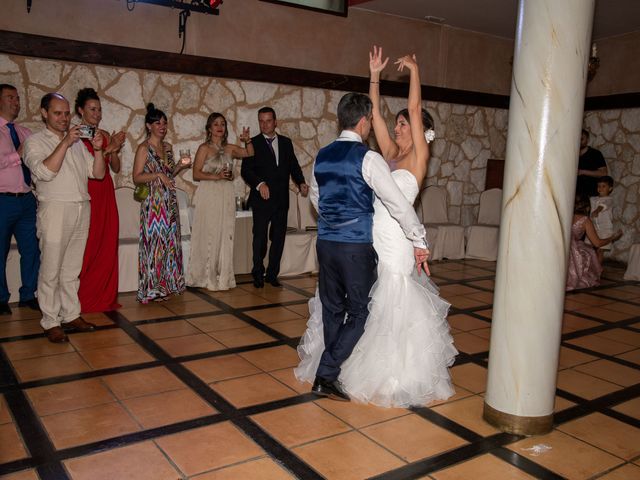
(308,214)
(129,235)
(183,206)
(633,265)
(14,280)
(129,213)
(293,215)
(433,201)
(445,239)
(299,254)
(482,239)
(185,228)
(490,207)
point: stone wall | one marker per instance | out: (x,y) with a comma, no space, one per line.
(466,136)
(616,133)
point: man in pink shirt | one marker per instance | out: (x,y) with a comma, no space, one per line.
(17,203)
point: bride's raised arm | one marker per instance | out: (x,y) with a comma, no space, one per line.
(414,106)
(388,147)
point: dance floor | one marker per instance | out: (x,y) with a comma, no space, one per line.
(202,387)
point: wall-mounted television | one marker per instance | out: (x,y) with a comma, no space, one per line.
(334,7)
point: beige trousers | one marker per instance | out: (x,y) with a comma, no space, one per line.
(62,230)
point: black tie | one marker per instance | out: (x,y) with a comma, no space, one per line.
(16,143)
(270,143)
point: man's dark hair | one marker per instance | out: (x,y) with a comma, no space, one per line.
(267,110)
(584,132)
(6,86)
(352,107)
(46,99)
(606,179)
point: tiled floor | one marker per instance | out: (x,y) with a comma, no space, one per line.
(202,387)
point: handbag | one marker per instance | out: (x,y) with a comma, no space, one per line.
(141,192)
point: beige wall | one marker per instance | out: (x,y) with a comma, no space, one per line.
(261,32)
(466,135)
(619,70)
(255,31)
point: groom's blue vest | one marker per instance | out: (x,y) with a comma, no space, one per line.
(345,201)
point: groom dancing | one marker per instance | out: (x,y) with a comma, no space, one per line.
(346,175)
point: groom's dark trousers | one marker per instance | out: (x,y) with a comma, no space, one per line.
(347,273)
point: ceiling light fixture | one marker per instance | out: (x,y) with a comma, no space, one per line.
(186,7)
(594,63)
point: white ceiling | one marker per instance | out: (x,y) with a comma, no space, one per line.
(498,17)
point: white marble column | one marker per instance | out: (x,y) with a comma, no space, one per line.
(545,119)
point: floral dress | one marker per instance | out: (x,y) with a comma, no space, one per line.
(160,270)
(584,268)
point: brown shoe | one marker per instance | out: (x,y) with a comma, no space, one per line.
(79,325)
(56,335)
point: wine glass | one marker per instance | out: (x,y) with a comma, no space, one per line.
(227,167)
(185,156)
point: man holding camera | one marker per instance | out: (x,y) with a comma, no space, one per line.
(61,167)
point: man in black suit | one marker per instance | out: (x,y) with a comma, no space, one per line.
(267,174)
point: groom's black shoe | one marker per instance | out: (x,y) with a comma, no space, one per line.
(328,388)
(258,283)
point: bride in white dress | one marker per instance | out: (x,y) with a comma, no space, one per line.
(402,358)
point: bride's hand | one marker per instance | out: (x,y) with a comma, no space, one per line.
(408,61)
(376,65)
(421,255)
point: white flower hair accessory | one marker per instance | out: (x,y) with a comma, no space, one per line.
(430,135)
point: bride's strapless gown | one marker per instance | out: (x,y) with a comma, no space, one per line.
(402,358)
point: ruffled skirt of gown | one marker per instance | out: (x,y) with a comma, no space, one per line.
(402,358)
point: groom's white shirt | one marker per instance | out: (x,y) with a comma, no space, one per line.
(377,175)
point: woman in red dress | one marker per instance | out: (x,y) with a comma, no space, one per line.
(98,290)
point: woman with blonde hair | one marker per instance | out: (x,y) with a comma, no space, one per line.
(214,223)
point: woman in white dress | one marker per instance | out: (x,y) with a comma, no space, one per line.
(402,358)
(214,222)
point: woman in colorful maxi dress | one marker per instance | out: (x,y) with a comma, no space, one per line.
(160,267)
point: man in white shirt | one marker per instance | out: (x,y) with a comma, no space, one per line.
(61,165)
(346,175)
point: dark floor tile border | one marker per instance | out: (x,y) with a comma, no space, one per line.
(78,376)
(244,317)
(466,452)
(623,324)
(273,448)
(523,463)
(479,358)
(33,433)
(604,356)
(601,404)
(276,450)
(32,336)
(447,424)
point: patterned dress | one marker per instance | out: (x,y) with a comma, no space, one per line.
(584,268)
(160,271)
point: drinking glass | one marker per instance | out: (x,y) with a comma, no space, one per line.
(185,156)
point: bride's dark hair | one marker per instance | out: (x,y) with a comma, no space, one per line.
(427,120)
